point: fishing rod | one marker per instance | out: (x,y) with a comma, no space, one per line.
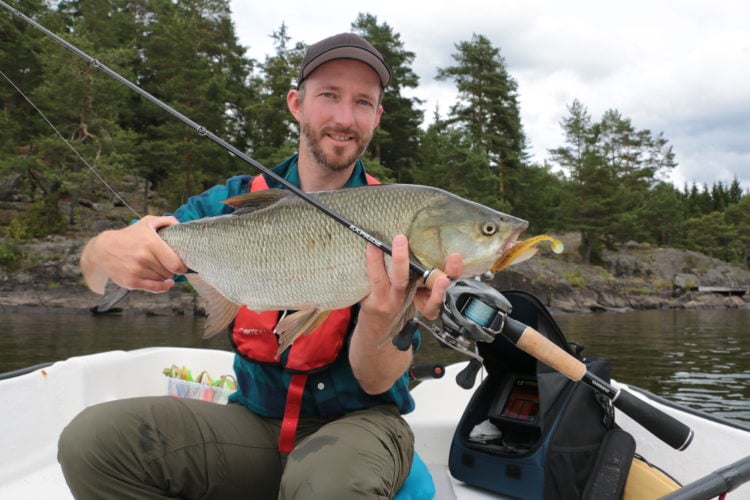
(204,132)
(715,484)
(472,310)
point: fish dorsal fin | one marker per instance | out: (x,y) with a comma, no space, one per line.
(248,202)
(298,323)
(220,311)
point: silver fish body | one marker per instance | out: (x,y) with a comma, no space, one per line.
(278,252)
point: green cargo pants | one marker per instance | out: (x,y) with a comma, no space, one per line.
(163,447)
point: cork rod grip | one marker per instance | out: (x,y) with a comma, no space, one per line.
(537,345)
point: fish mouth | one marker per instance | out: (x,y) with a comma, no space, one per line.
(510,242)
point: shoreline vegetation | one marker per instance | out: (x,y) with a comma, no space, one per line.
(636,276)
(42,274)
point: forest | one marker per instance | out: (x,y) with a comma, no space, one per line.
(606,181)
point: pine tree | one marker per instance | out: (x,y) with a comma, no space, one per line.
(612,169)
(488,110)
(19,48)
(396,141)
(451,161)
(84,105)
(193,62)
(271,129)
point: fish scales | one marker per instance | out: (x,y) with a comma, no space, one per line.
(285,255)
(278,252)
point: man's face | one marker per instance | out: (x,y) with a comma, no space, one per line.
(338,110)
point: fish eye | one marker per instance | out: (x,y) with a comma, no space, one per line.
(489,228)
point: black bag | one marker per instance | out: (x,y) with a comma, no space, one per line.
(529,432)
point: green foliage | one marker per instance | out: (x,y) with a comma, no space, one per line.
(537,198)
(10,254)
(41,219)
(576,279)
(379,171)
(719,234)
(398,136)
(452,162)
(612,168)
(488,112)
(604,180)
(269,127)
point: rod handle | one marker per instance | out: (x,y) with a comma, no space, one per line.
(665,427)
(540,347)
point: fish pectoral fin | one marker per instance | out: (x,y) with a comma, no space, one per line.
(408,310)
(298,323)
(249,202)
(220,311)
(113,294)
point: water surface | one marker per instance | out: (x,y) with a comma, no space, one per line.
(698,358)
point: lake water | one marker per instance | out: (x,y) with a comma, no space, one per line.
(699,358)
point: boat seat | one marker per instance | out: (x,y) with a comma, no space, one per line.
(418,484)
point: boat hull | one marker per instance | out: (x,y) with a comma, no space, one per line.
(37,405)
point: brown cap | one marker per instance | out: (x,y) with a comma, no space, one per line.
(344,46)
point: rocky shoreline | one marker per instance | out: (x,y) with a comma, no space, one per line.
(634,277)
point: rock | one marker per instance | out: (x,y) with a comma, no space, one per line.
(706,301)
(734,302)
(684,282)
(97,226)
(634,277)
(10,187)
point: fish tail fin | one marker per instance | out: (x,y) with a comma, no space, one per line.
(220,311)
(298,323)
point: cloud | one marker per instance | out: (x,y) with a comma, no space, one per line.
(677,68)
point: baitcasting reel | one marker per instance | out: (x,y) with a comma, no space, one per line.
(473,311)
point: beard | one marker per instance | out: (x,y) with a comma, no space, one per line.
(339,159)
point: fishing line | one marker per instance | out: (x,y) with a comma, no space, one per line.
(93,170)
(204,132)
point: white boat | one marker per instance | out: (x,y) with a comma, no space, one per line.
(37,405)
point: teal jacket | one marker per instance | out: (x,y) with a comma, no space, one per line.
(332,392)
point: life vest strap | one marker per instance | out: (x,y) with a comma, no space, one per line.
(292,412)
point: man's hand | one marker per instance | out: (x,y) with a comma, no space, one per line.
(377,367)
(134,257)
(429,301)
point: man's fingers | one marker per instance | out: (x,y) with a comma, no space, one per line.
(434,303)
(169,263)
(431,298)
(400,263)
(376,271)
(454,265)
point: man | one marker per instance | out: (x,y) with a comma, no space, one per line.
(295,428)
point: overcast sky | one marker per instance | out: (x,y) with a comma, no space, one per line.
(677,67)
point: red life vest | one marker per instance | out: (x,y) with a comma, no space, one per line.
(254,338)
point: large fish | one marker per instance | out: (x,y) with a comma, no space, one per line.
(278,252)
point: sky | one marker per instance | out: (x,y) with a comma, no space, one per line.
(680,68)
